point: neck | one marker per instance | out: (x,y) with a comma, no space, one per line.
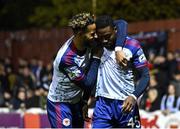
(78,42)
(110,48)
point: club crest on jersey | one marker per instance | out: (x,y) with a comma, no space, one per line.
(73,72)
(66,122)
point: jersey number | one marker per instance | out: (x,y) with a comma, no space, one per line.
(134,122)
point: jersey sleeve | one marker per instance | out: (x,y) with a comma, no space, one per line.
(141,64)
(77,75)
(139,58)
(122,27)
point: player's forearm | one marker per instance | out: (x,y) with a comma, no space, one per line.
(121,26)
(143,82)
(90,79)
(77,75)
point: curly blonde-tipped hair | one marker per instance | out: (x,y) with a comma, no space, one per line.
(80,21)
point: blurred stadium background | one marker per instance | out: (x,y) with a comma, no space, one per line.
(32,31)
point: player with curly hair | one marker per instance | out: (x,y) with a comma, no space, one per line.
(75,72)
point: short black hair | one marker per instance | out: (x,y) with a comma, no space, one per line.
(104,21)
(80,21)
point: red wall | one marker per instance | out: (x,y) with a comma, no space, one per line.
(26,44)
(44,44)
(172,26)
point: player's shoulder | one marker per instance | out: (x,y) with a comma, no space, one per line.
(133,42)
(64,53)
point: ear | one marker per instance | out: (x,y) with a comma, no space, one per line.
(115,29)
(95,36)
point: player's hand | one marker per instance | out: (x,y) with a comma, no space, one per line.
(98,51)
(121,58)
(128,104)
(166,112)
(85,113)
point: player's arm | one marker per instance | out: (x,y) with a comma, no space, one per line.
(121,26)
(143,82)
(85,80)
(139,90)
(140,63)
(77,75)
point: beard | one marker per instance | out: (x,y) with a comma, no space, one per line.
(90,43)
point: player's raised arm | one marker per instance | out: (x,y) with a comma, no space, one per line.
(121,26)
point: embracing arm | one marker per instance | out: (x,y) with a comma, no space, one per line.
(89,79)
(121,27)
(77,75)
(85,80)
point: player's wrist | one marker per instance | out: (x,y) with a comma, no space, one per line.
(118,48)
(96,57)
(134,96)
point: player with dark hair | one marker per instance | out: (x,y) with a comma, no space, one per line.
(116,91)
